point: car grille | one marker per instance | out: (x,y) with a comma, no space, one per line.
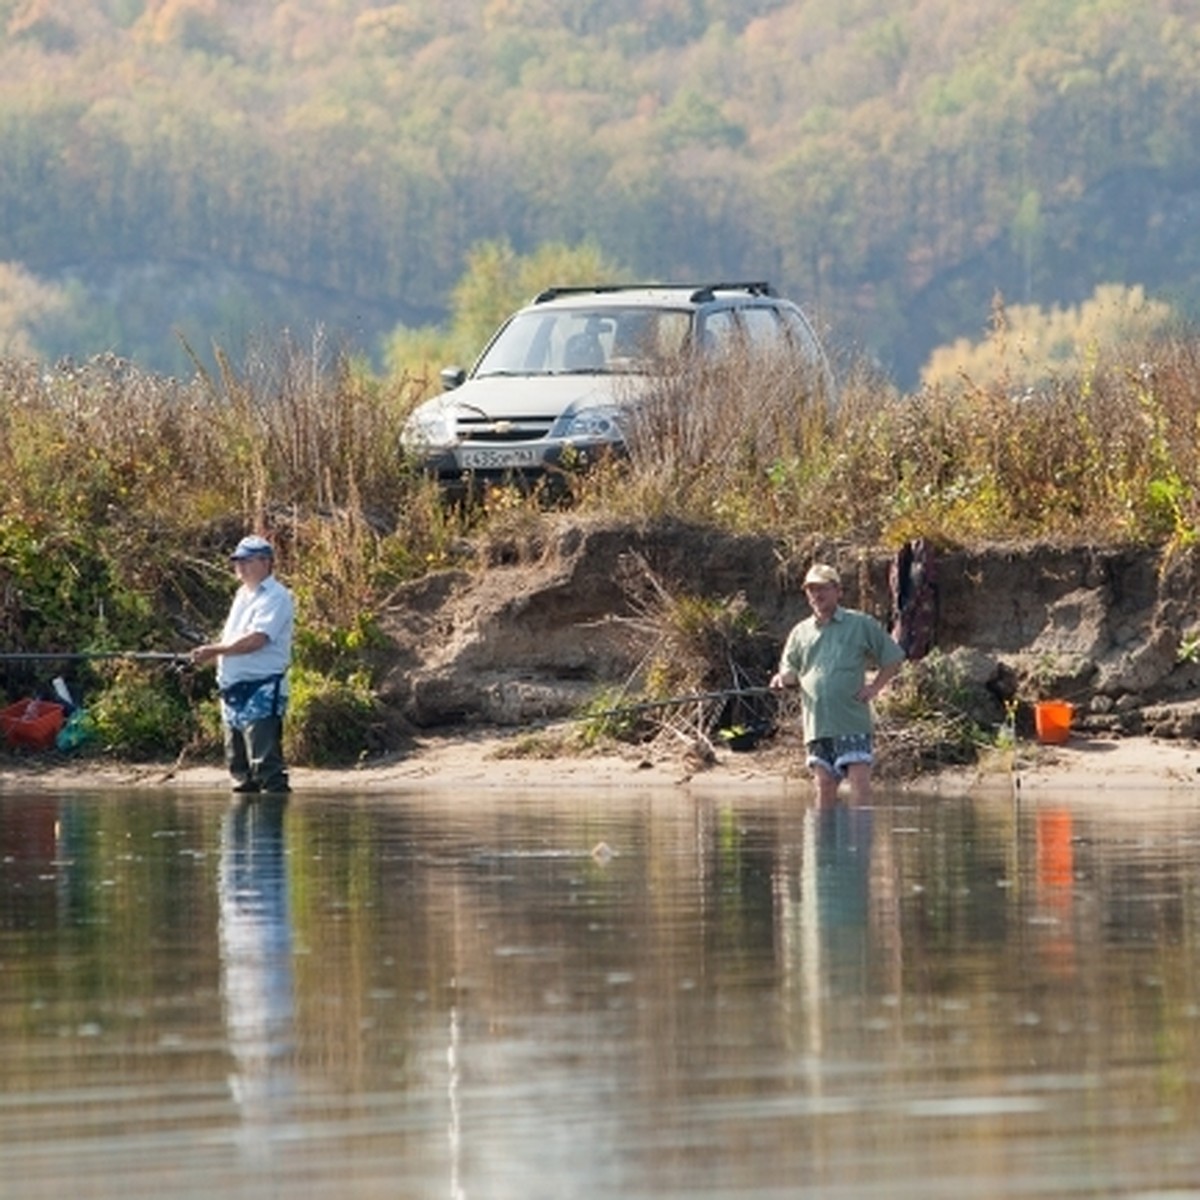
(489,432)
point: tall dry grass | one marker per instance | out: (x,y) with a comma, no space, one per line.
(1112,454)
(122,491)
(159,476)
(301,443)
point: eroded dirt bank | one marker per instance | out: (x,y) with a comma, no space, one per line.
(534,627)
(524,633)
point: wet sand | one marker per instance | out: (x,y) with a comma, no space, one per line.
(496,760)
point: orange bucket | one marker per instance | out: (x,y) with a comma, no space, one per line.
(1052,719)
(32,724)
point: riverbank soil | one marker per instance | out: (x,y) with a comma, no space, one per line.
(476,764)
(486,666)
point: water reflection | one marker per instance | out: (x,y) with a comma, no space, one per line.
(256,967)
(430,995)
(823,898)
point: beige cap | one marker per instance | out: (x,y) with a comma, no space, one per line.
(821,573)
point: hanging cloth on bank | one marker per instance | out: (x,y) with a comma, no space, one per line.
(912,577)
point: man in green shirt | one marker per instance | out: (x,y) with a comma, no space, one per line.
(827,656)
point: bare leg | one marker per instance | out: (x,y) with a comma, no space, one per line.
(859,777)
(827,786)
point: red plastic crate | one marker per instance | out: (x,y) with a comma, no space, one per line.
(32,724)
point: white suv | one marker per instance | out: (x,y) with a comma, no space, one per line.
(552,390)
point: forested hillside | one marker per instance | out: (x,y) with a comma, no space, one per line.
(220,165)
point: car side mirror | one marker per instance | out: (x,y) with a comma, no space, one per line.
(452,377)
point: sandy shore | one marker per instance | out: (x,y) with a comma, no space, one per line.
(492,760)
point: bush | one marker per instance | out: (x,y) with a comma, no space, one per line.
(140,714)
(332,722)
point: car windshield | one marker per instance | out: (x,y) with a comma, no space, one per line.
(564,341)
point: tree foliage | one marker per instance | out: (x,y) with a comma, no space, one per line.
(497,281)
(889,163)
(1026,344)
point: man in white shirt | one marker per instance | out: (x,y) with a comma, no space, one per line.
(252,659)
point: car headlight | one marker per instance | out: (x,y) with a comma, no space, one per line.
(603,424)
(428,430)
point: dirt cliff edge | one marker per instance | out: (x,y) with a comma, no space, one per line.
(532,626)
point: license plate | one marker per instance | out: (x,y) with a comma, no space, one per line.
(498,459)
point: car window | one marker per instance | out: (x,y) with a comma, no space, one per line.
(584,340)
(522,347)
(718,331)
(616,339)
(644,336)
(762,327)
(801,334)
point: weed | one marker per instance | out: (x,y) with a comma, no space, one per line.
(609,716)
(545,744)
(923,718)
(688,643)
(140,714)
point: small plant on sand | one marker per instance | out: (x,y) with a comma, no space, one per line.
(1189,648)
(923,718)
(546,744)
(608,716)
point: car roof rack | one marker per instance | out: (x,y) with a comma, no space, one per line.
(758,287)
(578,289)
(699,292)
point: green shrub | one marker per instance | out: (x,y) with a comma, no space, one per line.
(143,715)
(332,722)
(925,718)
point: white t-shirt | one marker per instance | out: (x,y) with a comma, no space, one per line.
(267,608)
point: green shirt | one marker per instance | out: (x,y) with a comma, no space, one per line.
(831,662)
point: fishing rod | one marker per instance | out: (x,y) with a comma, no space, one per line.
(171,656)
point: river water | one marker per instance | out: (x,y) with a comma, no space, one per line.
(597,995)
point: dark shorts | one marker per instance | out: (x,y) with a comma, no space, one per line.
(835,754)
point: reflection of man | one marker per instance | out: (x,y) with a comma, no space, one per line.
(827,656)
(256,959)
(843,863)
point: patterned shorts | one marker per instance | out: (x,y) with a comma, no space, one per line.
(835,754)
(245,703)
